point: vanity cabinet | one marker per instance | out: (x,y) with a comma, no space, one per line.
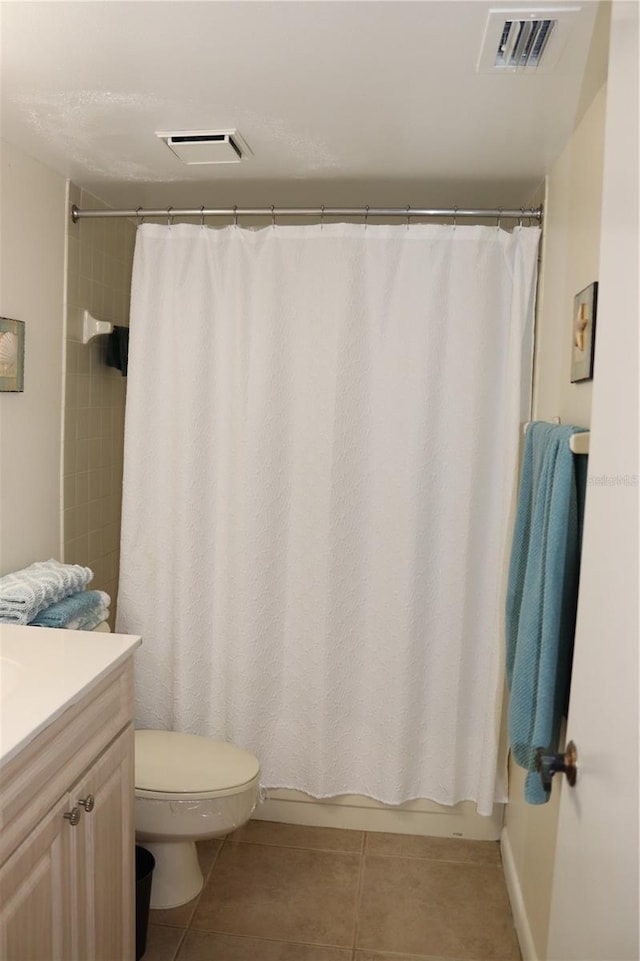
(67,839)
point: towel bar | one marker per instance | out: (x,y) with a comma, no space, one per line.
(578,443)
(91,327)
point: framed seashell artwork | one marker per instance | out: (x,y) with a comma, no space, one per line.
(11,354)
(584,333)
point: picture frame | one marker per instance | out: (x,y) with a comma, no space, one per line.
(12,337)
(583,333)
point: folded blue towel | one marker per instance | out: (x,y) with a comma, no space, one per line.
(75,611)
(542,594)
(25,593)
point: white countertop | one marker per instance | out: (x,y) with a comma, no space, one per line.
(43,671)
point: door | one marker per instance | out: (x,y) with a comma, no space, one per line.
(594,911)
(105,855)
(35,894)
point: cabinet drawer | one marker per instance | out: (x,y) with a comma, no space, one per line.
(34,780)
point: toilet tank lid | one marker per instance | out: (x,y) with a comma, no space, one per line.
(188,763)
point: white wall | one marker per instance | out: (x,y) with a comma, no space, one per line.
(99,261)
(595,898)
(31,289)
(570,258)
(570,262)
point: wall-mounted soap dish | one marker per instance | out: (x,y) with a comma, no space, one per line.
(91,327)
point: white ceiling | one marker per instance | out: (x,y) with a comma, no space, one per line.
(341,102)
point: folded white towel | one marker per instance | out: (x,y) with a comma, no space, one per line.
(25,593)
(88,623)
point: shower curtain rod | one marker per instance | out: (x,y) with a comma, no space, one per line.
(530,213)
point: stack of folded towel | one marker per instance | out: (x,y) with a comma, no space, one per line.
(51,594)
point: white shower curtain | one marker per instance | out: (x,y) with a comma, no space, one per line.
(321,442)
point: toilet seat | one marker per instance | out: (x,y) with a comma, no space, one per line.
(174,766)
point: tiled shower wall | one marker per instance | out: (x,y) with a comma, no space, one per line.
(99,260)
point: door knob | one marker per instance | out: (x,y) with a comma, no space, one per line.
(549,764)
(72,816)
(88,803)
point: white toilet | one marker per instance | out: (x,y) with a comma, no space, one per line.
(188,788)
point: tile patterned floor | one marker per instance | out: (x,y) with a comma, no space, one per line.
(281,892)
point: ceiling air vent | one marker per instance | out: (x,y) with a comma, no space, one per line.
(206,146)
(525,40)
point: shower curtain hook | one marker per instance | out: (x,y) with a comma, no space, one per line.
(202,217)
(408,216)
(498,222)
(273,217)
(169,217)
(235,216)
(455,217)
(366,216)
(521,218)
(140,217)
(322,217)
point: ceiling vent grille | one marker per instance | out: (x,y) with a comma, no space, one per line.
(206,146)
(524,40)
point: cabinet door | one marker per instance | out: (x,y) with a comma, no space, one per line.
(35,895)
(105,864)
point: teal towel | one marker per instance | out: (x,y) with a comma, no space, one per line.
(542,594)
(75,611)
(25,593)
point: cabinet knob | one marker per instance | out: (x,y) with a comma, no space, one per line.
(88,803)
(72,816)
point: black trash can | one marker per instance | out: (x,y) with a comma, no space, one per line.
(145,863)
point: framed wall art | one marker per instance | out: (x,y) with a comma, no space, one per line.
(11,354)
(584,333)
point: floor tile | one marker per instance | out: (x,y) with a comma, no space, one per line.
(300,836)
(202,946)
(176,917)
(283,894)
(435,909)
(162,943)
(439,849)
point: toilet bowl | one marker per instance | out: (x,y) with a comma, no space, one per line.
(188,788)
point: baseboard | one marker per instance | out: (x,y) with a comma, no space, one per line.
(518,907)
(419,817)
